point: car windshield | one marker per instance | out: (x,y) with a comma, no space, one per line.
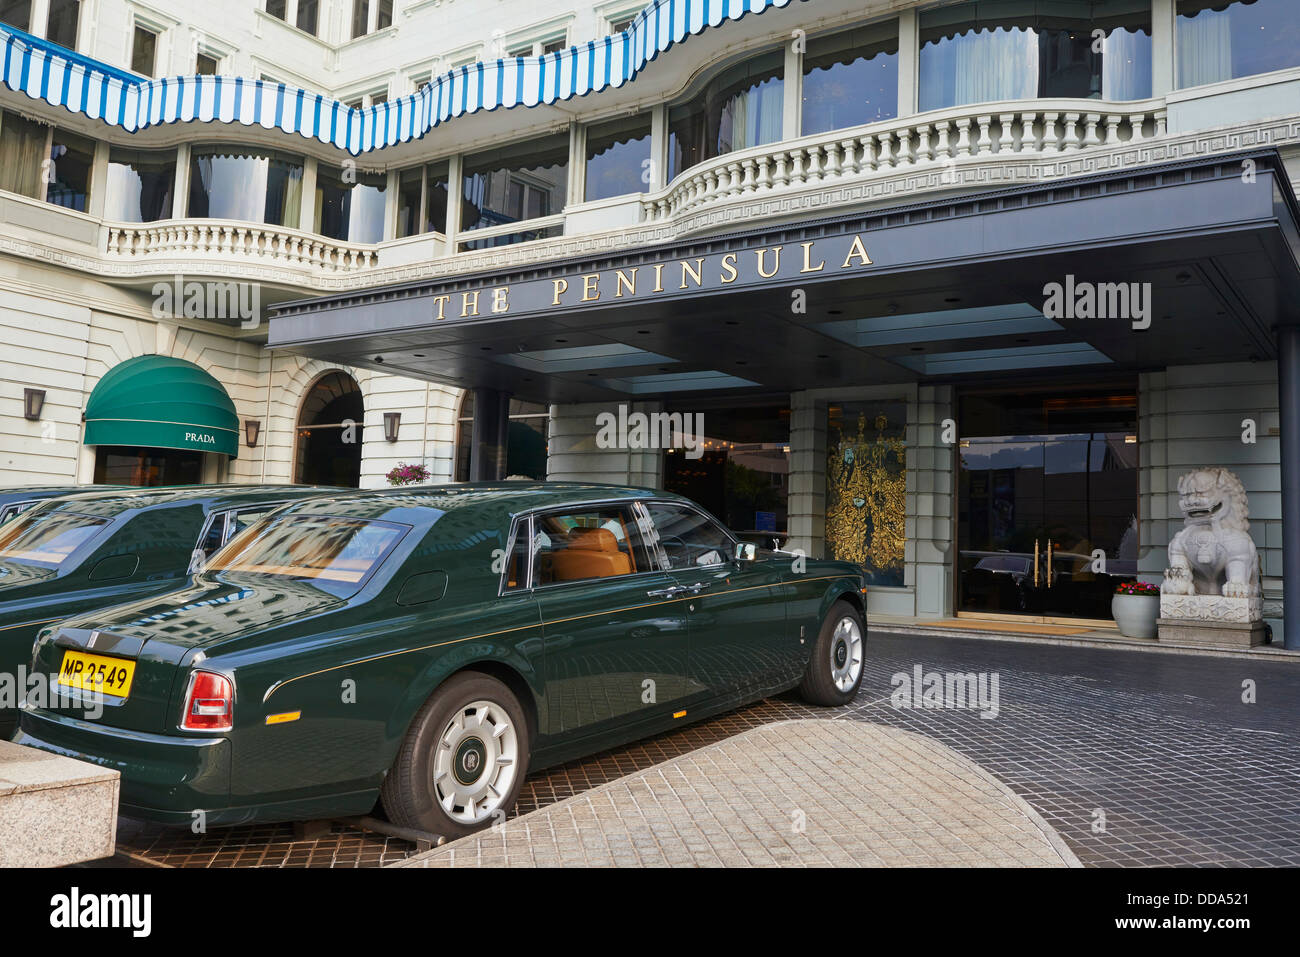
(311,548)
(46,538)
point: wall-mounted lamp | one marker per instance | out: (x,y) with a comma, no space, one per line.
(391,422)
(251,428)
(33,402)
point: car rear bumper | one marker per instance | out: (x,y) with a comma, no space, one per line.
(164,777)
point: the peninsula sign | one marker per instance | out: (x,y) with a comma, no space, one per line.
(776,264)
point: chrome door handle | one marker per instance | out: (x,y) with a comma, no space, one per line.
(697,587)
(665,592)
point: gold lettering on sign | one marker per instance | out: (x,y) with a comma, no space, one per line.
(441,303)
(501,299)
(561,287)
(622,280)
(469,303)
(807,260)
(659,278)
(729,265)
(590,287)
(762,258)
(858,250)
(696,273)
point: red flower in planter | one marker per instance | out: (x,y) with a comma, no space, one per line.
(407,475)
(1138,588)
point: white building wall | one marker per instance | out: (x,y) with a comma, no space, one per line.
(63,332)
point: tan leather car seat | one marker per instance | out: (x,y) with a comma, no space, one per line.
(591,553)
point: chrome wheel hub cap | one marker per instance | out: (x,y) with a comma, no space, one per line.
(846,654)
(476,761)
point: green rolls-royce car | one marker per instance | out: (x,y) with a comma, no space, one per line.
(426,648)
(75,553)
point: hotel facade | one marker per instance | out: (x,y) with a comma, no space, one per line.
(956,290)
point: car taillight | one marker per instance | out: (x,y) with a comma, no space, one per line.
(209,703)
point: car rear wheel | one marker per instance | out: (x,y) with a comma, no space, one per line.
(835,668)
(463,761)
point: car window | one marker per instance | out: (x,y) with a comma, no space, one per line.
(214,536)
(248,517)
(595,542)
(47,538)
(516,570)
(687,539)
(311,548)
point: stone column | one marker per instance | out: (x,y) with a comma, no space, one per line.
(1288,375)
(807,501)
(489,435)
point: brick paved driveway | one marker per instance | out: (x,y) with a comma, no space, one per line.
(810,792)
(1135,758)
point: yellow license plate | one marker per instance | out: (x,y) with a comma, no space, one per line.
(86,672)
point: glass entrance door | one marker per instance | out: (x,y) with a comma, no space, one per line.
(1047,523)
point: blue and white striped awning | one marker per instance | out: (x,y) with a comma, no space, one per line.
(49,72)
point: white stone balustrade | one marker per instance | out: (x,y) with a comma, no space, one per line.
(952,137)
(190,239)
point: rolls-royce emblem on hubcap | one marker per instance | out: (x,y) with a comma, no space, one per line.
(470,758)
(841,653)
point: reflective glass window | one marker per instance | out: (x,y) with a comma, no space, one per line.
(618,157)
(1223,41)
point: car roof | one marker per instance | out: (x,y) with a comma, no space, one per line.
(29,493)
(213,497)
(508,496)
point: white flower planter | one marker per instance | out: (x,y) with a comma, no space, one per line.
(1136,614)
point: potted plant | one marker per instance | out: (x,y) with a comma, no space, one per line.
(407,475)
(1135,608)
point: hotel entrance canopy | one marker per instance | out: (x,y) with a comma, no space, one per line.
(1176,264)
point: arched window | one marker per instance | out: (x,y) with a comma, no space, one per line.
(329,432)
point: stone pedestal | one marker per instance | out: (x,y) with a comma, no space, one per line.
(1215,634)
(54,810)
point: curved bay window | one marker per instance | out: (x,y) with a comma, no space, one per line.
(1222,40)
(618,155)
(993,50)
(851,78)
(329,433)
(249,185)
(742,106)
(140,185)
(525,446)
(514,184)
(350,204)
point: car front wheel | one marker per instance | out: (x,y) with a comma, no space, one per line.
(463,760)
(835,668)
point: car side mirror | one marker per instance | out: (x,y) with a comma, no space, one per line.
(746,552)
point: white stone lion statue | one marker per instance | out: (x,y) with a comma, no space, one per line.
(1213,554)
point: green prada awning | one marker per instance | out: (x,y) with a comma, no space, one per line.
(165,403)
